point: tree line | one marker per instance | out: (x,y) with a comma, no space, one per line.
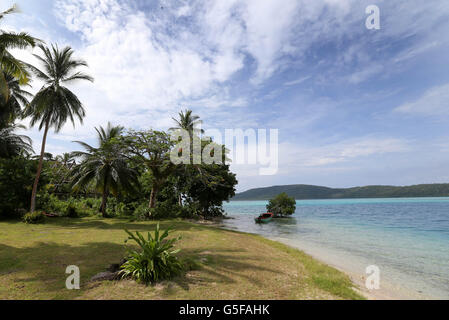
(128,172)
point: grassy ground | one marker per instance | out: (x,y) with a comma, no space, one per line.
(230,265)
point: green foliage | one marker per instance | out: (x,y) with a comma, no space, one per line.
(34,218)
(207,187)
(8,63)
(71,211)
(142,212)
(50,203)
(16,180)
(105,168)
(155,261)
(11,108)
(150,149)
(282,205)
(165,210)
(13,145)
(70,207)
(188,121)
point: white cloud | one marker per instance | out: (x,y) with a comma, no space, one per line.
(433,102)
(297,156)
(297,81)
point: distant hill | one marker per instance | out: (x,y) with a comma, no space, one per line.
(302,192)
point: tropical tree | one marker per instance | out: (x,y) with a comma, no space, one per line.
(9,64)
(11,109)
(151,149)
(189,122)
(60,171)
(54,104)
(105,168)
(282,205)
(11,144)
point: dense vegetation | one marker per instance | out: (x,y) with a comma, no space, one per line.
(282,205)
(316,192)
(128,173)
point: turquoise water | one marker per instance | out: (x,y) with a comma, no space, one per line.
(407,238)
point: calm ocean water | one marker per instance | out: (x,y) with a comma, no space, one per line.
(408,239)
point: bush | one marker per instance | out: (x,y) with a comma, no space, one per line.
(51,203)
(282,205)
(71,211)
(34,218)
(156,261)
(163,210)
(16,181)
(166,210)
(142,212)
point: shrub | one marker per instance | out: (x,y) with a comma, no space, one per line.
(156,260)
(51,203)
(16,181)
(142,212)
(71,211)
(282,205)
(34,218)
(165,210)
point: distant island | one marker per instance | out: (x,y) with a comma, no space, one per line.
(304,192)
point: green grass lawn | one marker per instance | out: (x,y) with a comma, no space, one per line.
(229,265)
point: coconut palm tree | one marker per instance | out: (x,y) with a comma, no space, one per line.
(54,104)
(189,122)
(11,109)
(9,64)
(12,144)
(105,168)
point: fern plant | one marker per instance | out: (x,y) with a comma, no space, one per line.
(155,261)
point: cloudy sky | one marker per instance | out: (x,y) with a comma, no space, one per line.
(353,106)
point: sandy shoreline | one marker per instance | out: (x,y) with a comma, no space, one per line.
(387,290)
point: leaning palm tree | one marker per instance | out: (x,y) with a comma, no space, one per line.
(12,144)
(105,168)
(11,109)
(54,104)
(8,63)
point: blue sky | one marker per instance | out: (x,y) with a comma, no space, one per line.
(353,106)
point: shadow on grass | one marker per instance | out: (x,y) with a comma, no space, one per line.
(116,224)
(42,267)
(222,266)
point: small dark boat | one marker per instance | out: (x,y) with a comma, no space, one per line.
(264,218)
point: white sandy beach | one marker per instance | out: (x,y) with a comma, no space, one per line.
(356,271)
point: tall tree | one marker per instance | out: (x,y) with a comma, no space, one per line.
(9,64)
(105,167)
(54,104)
(152,150)
(189,122)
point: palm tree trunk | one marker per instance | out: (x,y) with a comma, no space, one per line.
(39,169)
(104,202)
